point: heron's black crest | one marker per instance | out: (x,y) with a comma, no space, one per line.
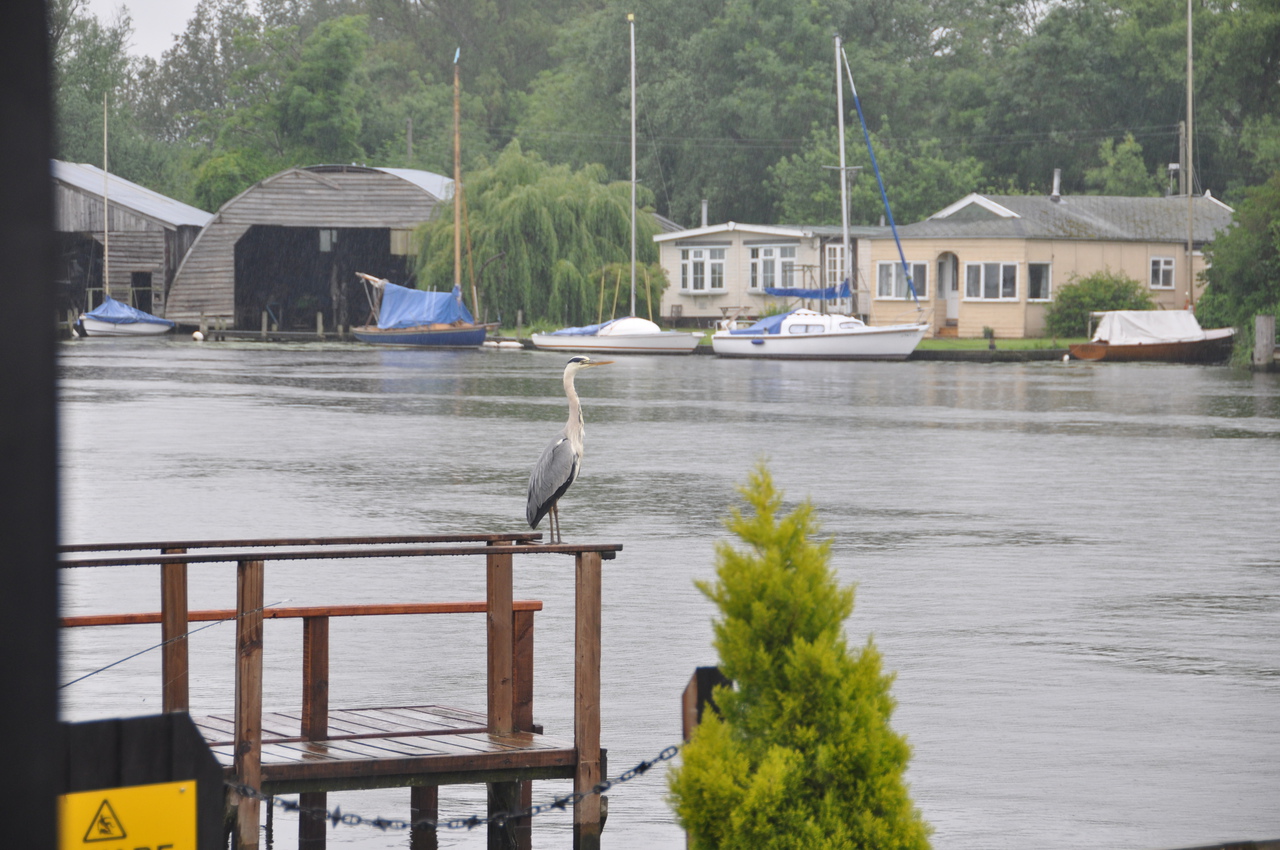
(579,359)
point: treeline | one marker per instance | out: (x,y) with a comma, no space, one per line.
(736,99)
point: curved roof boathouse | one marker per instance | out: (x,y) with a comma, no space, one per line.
(291,244)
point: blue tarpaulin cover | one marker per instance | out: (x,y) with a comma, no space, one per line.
(831,293)
(118,313)
(406,308)
(767,325)
(587,330)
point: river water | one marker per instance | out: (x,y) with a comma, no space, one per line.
(1072,567)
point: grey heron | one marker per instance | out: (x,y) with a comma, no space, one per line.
(561,459)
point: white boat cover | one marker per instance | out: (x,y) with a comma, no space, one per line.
(1144,327)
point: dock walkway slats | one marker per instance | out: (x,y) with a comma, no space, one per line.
(318,749)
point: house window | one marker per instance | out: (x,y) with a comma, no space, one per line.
(328,238)
(835,264)
(701,269)
(892,283)
(1162,272)
(773,267)
(990,281)
(1039,282)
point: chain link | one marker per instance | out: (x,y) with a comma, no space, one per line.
(337,816)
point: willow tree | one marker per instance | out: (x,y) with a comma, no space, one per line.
(801,754)
(542,239)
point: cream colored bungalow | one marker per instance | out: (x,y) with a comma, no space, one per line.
(723,270)
(995,261)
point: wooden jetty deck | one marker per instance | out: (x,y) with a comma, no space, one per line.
(315,749)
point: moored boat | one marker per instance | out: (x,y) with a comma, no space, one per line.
(628,335)
(415,317)
(809,335)
(114,318)
(1169,336)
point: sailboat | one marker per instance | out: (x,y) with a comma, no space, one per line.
(112,317)
(416,317)
(813,335)
(629,334)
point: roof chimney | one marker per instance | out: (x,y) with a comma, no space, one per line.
(1056,196)
(704,212)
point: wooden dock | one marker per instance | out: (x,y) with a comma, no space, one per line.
(314,748)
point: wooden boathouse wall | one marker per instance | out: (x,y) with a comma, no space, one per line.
(149,236)
(211,284)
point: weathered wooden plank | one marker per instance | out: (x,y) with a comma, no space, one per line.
(315,677)
(248,732)
(174,664)
(296,613)
(586,700)
(358,769)
(500,622)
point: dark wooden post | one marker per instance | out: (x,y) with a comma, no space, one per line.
(503,796)
(424,803)
(586,700)
(522,713)
(315,723)
(174,661)
(248,738)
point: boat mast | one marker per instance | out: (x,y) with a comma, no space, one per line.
(457,190)
(847,260)
(631,21)
(106,223)
(1191,185)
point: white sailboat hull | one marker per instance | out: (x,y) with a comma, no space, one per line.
(805,335)
(663,342)
(97,327)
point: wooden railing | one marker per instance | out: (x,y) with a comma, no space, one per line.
(509,640)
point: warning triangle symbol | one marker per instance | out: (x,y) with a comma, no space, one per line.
(105,826)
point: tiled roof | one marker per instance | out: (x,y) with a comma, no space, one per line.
(1084,217)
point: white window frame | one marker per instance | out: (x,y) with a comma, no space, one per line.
(772,266)
(701,269)
(891,283)
(1048,282)
(835,263)
(1163,271)
(986,287)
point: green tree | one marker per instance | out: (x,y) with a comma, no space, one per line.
(919,179)
(1068,315)
(1122,171)
(547,234)
(1244,263)
(801,754)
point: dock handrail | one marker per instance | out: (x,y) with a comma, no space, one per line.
(506,707)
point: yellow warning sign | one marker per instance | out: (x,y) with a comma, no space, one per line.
(139,817)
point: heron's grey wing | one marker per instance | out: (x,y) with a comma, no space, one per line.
(552,475)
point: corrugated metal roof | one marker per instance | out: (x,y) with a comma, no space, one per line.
(121,192)
(436,185)
(1086,217)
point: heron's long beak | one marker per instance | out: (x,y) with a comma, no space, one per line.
(599,362)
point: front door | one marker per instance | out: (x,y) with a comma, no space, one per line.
(949,284)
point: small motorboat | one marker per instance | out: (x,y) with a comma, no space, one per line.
(809,335)
(627,335)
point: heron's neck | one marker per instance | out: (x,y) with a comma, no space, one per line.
(575,407)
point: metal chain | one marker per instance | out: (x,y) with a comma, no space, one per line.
(337,816)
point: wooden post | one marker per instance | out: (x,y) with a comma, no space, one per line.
(522,713)
(264,324)
(1264,342)
(503,796)
(500,625)
(424,803)
(174,663)
(315,722)
(248,731)
(586,700)
(320,324)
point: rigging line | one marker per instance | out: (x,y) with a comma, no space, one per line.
(167,642)
(906,270)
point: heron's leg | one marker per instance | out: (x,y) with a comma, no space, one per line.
(554,527)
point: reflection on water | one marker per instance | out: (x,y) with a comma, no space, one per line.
(1070,566)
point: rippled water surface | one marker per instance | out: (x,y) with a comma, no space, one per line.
(1072,568)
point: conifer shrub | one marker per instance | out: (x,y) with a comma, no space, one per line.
(800,754)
